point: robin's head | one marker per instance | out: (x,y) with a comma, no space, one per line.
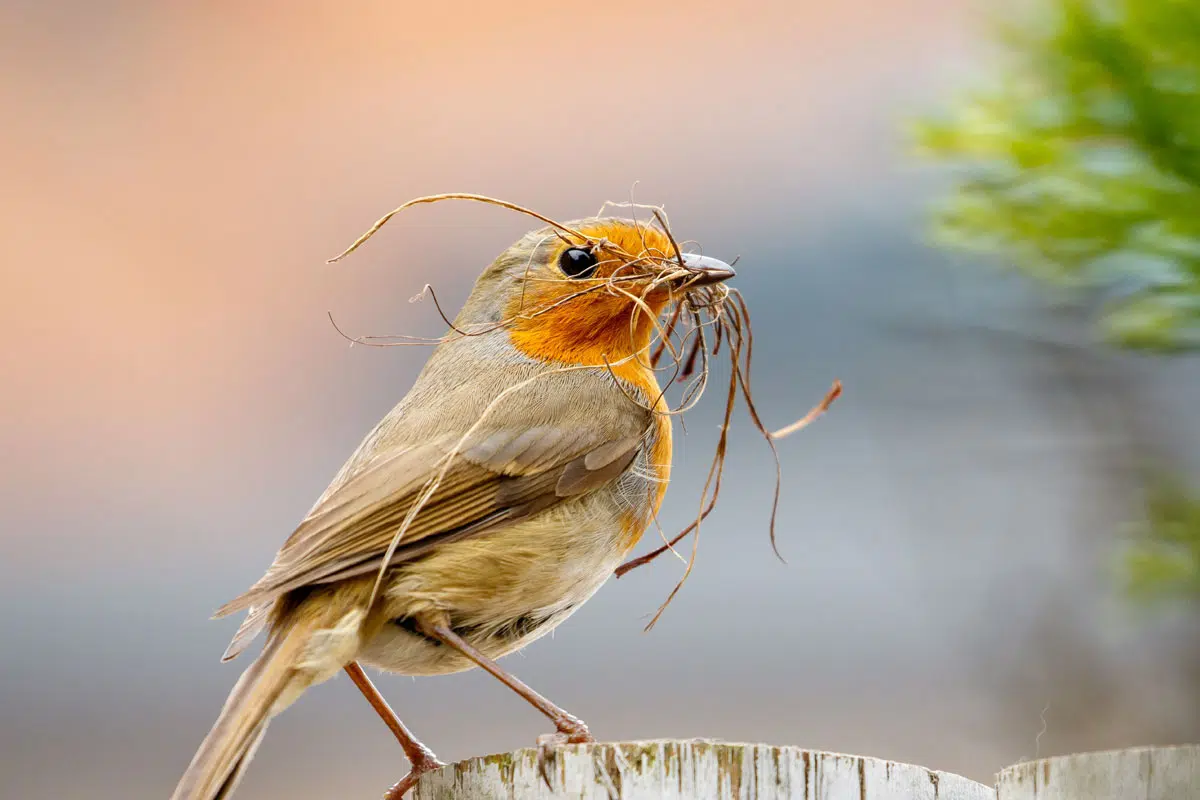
(587,292)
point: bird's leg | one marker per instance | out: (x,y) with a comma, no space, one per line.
(420,757)
(569,729)
(573,728)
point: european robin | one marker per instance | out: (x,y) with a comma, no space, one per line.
(523,465)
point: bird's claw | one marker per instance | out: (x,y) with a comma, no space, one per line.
(570,731)
(427,762)
(547,743)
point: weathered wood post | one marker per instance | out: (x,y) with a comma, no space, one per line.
(693,770)
(1144,773)
(697,769)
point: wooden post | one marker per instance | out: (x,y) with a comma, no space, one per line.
(1147,773)
(693,770)
(698,769)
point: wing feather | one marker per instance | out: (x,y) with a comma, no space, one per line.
(497,477)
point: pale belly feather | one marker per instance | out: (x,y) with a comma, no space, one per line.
(505,588)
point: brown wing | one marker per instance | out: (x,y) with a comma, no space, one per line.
(497,477)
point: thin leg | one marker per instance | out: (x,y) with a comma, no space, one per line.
(419,756)
(572,727)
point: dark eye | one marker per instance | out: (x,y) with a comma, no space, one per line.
(577,262)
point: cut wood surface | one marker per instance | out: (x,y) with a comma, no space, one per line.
(675,770)
(695,769)
(1145,773)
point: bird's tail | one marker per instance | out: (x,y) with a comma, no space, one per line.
(300,652)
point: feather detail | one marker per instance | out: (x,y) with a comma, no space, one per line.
(302,651)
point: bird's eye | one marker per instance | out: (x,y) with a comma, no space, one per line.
(577,262)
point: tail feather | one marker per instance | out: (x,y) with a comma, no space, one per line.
(223,755)
(310,641)
(239,769)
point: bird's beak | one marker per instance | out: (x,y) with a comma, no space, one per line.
(706,270)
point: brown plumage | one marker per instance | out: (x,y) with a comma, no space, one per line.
(496,498)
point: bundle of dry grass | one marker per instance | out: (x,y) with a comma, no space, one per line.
(698,322)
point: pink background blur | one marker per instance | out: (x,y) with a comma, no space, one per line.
(174,397)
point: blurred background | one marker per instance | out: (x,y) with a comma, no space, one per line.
(991,538)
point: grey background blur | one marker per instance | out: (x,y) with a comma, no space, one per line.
(174,397)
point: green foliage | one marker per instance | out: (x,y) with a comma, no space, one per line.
(1082,163)
(1165,559)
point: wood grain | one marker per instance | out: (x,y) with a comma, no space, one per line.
(675,770)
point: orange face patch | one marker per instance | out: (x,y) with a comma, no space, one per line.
(558,319)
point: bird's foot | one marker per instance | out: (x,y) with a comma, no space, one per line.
(570,731)
(422,762)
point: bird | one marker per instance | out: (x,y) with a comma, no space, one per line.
(526,461)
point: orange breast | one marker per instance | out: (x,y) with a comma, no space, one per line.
(658,458)
(634,525)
